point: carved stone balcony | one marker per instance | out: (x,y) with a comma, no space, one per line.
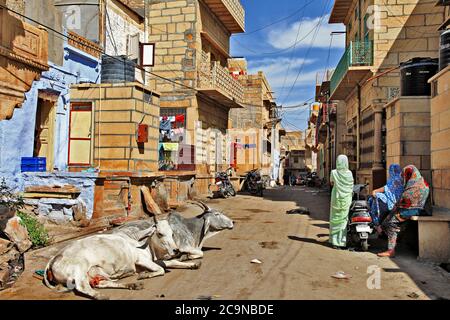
(23,57)
(217,83)
(230,12)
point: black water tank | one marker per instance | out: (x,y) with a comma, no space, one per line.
(117,69)
(414,75)
(444,52)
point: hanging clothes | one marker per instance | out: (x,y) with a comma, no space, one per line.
(341,199)
(165,125)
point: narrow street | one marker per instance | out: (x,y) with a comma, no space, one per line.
(297,262)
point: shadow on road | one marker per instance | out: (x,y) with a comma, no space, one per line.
(309,240)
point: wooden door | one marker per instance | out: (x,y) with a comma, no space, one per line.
(44,132)
(80,132)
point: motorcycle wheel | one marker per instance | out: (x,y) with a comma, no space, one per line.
(231,190)
(364,245)
(223,193)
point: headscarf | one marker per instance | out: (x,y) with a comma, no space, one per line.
(416,189)
(342,177)
(394,187)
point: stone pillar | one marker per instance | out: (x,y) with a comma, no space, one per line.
(378,172)
(377,151)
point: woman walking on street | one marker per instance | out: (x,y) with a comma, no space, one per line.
(341,198)
(412,201)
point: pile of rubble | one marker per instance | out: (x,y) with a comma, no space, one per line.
(59,204)
(14,241)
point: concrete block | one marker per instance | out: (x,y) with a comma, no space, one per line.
(434,241)
(440,159)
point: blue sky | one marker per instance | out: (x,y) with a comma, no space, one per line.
(288,50)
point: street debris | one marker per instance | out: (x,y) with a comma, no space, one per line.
(215,296)
(269,244)
(18,234)
(299,210)
(341,275)
(413,295)
(256,261)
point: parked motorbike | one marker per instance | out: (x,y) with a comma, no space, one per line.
(254,183)
(222,182)
(360,224)
(312,179)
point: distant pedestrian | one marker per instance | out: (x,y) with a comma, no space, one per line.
(341,198)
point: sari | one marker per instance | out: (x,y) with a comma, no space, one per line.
(415,194)
(387,200)
(341,199)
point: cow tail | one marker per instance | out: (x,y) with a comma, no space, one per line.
(47,272)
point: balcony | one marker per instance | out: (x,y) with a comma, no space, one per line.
(23,57)
(217,83)
(354,65)
(230,13)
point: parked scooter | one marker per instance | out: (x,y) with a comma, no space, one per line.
(254,183)
(312,179)
(360,222)
(224,186)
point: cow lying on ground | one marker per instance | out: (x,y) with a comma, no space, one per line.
(98,260)
(189,235)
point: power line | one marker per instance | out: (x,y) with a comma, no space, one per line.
(281,50)
(95,48)
(292,55)
(277,21)
(309,49)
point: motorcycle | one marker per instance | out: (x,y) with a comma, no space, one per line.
(360,224)
(254,183)
(312,179)
(222,182)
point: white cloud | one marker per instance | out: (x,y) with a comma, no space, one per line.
(276,69)
(285,37)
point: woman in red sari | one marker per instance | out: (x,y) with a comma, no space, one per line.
(411,203)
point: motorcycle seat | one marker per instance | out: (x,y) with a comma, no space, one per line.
(359,204)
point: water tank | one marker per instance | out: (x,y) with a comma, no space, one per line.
(444,52)
(117,69)
(414,75)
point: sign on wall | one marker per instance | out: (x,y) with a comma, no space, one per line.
(147,54)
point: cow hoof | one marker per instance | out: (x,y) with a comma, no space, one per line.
(143,275)
(136,286)
(196,266)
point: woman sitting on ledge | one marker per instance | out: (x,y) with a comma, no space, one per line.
(411,203)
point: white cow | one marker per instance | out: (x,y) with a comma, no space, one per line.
(98,260)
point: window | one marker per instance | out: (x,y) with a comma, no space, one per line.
(174,152)
(366,29)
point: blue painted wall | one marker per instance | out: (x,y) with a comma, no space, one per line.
(17,134)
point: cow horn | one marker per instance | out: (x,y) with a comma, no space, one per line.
(200,204)
(205,206)
(146,233)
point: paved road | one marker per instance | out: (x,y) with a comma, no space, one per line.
(297,262)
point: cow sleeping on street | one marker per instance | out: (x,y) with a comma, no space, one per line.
(98,260)
(189,235)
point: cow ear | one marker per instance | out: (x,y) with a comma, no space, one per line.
(206,225)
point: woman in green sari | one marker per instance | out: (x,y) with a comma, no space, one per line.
(341,198)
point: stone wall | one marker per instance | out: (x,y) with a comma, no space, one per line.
(440,138)
(408,133)
(407,29)
(121,23)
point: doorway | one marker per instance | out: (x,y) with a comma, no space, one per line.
(44,131)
